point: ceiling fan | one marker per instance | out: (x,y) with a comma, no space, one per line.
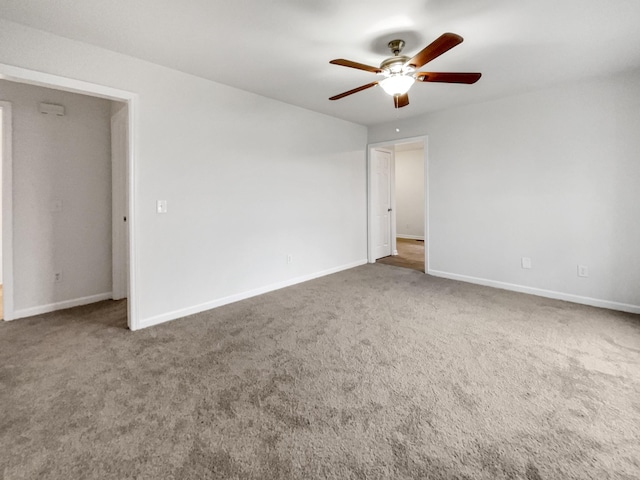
(400,73)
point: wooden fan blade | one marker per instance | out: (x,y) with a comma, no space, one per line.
(443,43)
(359,66)
(400,101)
(355,90)
(446,77)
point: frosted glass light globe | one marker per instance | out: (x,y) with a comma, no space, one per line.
(397,84)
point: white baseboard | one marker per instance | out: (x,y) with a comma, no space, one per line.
(165,317)
(569,297)
(409,237)
(52,307)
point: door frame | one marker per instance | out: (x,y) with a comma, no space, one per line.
(7,211)
(32,77)
(427,231)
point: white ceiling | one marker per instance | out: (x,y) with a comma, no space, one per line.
(281,48)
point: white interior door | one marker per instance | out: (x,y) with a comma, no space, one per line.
(120,188)
(381,203)
(7,210)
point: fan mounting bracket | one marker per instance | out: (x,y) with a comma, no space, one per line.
(396,46)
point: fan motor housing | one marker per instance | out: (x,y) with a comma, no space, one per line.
(394,64)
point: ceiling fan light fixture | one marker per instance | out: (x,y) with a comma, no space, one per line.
(397,84)
(399,72)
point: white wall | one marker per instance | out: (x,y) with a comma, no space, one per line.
(410,215)
(60,159)
(248,179)
(552,175)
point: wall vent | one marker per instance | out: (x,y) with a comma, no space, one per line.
(51,109)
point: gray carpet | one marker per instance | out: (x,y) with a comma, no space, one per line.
(374,373)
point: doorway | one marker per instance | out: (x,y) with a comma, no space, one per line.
(408,218)
(124,191)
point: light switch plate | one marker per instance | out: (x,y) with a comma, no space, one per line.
(161,206)
(526,262)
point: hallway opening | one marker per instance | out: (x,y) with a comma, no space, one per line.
(403,194)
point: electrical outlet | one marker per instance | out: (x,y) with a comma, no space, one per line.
(55,206)
(583,271)
(526,262)
(57,277)
(289,258)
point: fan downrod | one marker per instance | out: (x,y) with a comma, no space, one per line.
(396,46)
